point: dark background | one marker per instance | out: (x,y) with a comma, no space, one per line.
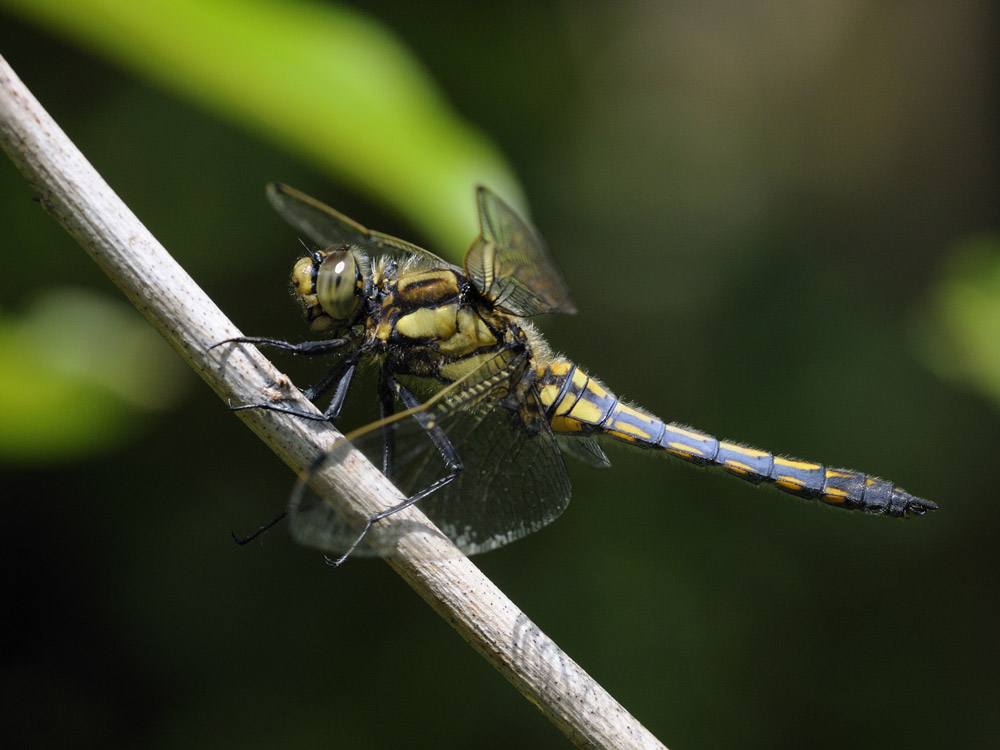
(753,210)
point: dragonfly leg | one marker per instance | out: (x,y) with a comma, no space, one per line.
(386,408)
(241,540)
(304,348)
(341,374)
(339,377)
(453,463)
(373,519)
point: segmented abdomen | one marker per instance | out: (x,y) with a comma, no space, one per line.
(576,404)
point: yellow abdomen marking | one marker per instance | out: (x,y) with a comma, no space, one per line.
(587,411)
(631,423)
(789,483)
(547,395)
(580,379)
(793,464)
(594,389)
(565,424)
(622,428)
(751,452)
(558,369)
(685,449)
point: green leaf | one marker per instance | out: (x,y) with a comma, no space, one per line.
(79,374)
(325,81)
(962,341)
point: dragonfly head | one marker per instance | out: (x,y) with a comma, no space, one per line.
(329,284)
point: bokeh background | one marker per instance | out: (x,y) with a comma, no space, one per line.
(779,223)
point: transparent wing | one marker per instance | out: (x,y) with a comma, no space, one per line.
(513,483)
(328,227)
(511,265)
(585,450)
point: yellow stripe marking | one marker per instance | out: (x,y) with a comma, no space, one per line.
(622,409)
(548,394)
(564,407)
(586,411)
(562,424)
(559,369)
(623,436)
(732,464)
(834,474)
(620,425)
(752,452)
(787,481)
(684,448)
(793,464)
(428,323)
(428,285)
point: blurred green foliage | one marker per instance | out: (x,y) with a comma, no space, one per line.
(77,372)
(325,81)
(964,342)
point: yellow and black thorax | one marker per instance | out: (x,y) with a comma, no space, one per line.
(421,321)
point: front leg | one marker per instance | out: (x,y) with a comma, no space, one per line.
(340,375)
(305,348)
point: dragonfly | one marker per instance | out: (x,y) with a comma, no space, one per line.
(476,412)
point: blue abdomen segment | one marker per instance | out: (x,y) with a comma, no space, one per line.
(576,404)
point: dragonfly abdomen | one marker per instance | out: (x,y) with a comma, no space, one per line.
(576,404)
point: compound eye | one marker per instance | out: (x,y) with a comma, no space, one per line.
(337,284)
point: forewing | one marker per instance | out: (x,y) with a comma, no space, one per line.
(511,265)
(328,227)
